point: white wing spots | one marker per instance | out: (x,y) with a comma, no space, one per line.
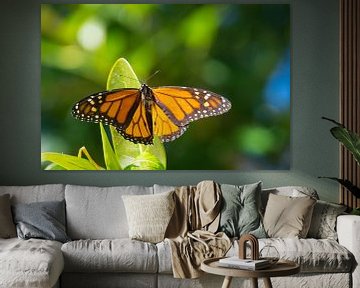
(207,96)
(174,136)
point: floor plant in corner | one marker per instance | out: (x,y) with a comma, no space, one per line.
(351,142)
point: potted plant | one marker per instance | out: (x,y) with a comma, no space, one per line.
(351,141)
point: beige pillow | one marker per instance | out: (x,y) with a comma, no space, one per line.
(149,215)
(288,217)
(7,226)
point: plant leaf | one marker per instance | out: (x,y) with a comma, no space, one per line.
(68,162)
(347,184)
(145,161)
(53,166)
(349,139)
(122,76)
(133,156)
(110,158)
(139,157)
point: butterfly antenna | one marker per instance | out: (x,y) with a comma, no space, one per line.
(152,75)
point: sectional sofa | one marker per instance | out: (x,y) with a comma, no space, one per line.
(99,253)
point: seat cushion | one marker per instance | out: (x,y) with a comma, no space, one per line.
(313,255)
(30,263)
(98,212)
(117,255)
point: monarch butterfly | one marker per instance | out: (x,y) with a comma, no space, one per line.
(139,114)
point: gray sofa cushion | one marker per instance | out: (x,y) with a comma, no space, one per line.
(313,255)
(98,212)
(44,220)
(35,193)
(117,255)
(30,263)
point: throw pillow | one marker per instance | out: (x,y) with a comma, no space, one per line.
(7,227)
(287,217)
(240,210)
(323,222)
(149,215)
(44,220)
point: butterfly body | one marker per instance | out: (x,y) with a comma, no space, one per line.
(139,114)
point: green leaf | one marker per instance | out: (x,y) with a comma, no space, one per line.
(68,162)
(133,156)
(145,161)
(53,166)
(110,158)
(355,211)
(139,157)
(349,139)
(347,184)
(122,76)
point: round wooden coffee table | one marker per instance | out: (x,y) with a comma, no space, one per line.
(281,268)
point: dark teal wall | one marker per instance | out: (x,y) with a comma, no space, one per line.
(314,94)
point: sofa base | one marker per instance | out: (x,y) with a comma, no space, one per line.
(309,280)
(134,280)
(108,280)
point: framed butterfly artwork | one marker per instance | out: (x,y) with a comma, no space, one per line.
(220,101)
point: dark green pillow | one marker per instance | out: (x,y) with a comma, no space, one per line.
(43,220)
(240,210)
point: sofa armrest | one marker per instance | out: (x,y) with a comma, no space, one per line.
(348,230)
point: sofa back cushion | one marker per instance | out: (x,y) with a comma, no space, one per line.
(290,191)
(98,212)
(34,193)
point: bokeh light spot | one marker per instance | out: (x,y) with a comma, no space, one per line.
(91,34)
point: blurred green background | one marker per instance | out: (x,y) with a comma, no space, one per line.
(239,51)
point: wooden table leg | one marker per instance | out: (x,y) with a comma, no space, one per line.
(254,282)
(227,282)
(267,283)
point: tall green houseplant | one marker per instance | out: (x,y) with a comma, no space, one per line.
(351,141)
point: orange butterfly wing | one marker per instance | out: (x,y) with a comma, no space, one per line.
(114,107)
(121,108)
(138,129)
(184,104)
(163,125)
